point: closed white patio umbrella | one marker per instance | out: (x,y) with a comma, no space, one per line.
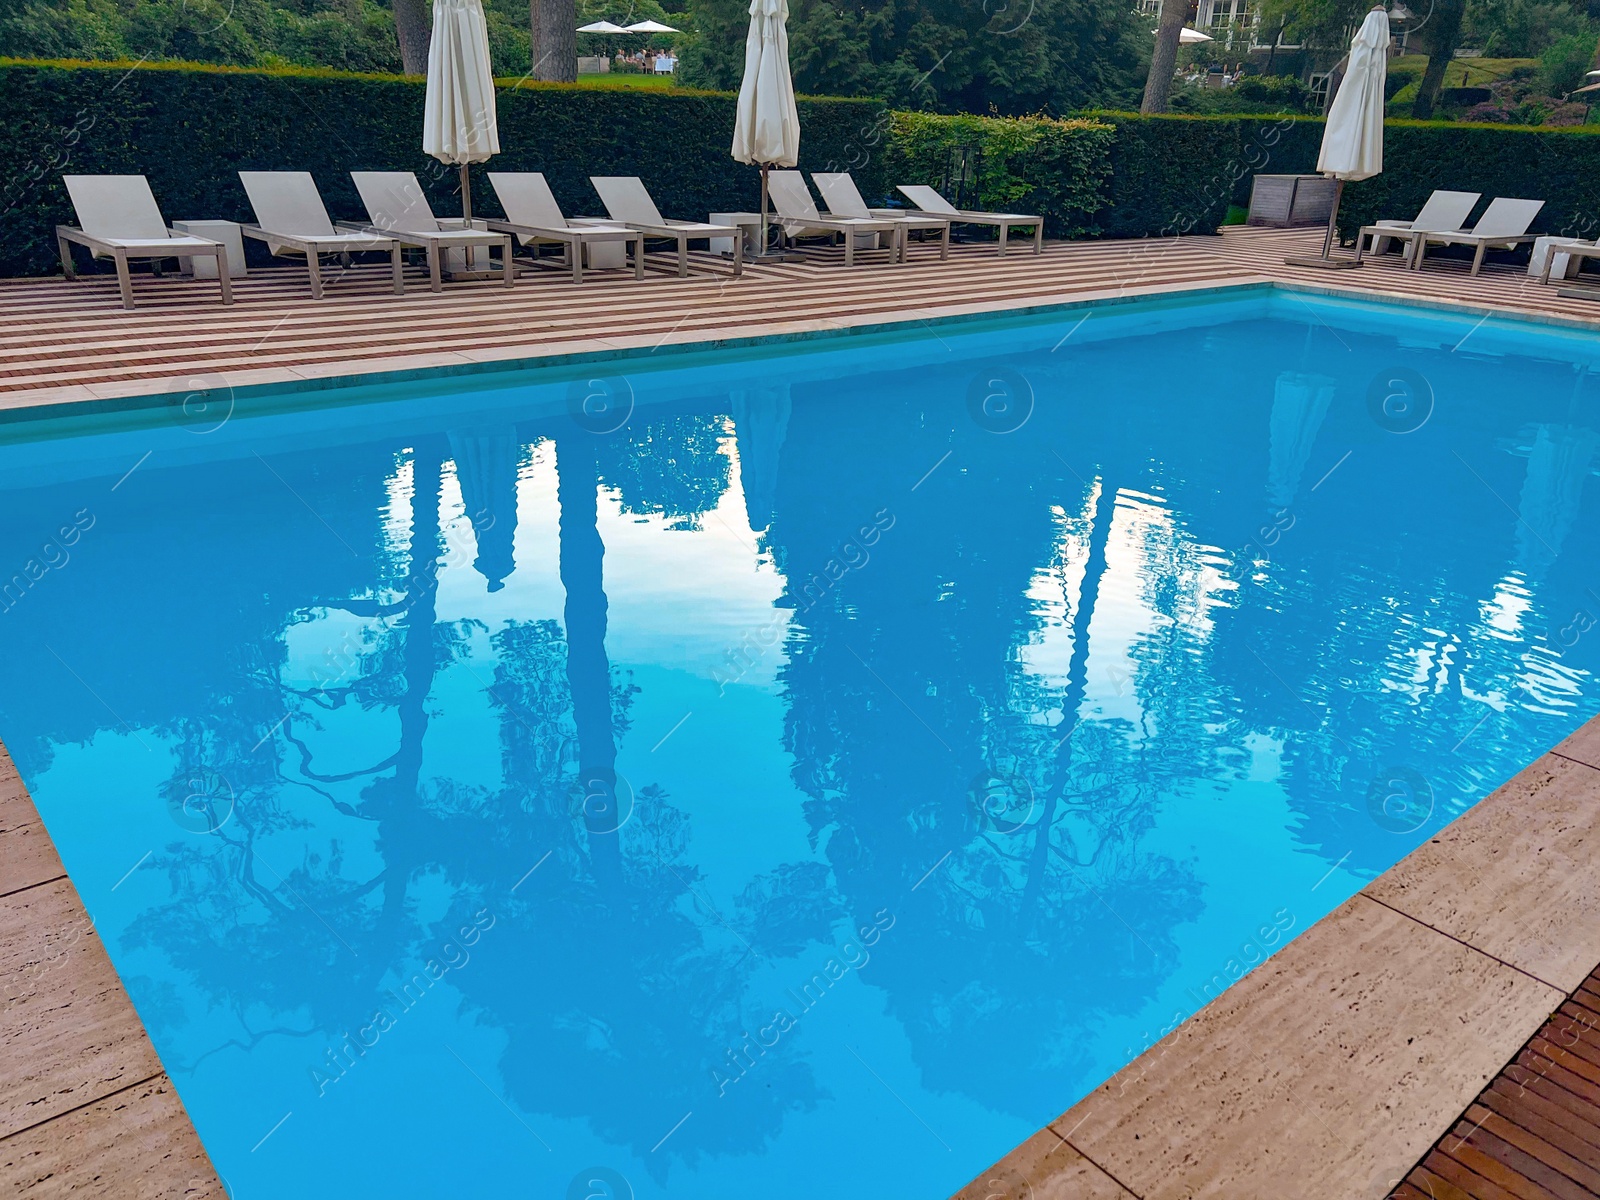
(458,116)
(1352,138)
(766,127)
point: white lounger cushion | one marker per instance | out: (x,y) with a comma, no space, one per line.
(1506,218)
(1444,211)
(927,199)
(626,199)
(119,209)
(287,202)
(395,200)
(931,201)
(527,199)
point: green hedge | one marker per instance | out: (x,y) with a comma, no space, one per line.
(189,130)
(1560,166)
(1058,169)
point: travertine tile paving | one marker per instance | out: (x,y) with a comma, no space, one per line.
(85,1107)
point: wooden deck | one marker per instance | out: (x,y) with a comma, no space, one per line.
(1534,1132)
(61,341)
(86,1109)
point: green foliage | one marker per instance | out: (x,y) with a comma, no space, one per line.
(190,130)
(1564,62)
(1259,94)
(1556,165)
(1177,174)
(1524,28)
(355,35)
(1057,169)
(1001,57)
(1316,24)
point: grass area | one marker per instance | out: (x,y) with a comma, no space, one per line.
(605,79)
(1237,215)
(1463,72)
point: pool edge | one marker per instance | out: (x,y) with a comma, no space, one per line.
(1333,1069)
(85,1102)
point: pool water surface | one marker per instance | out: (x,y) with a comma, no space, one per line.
(796,770)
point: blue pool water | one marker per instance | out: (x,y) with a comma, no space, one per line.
(787,771)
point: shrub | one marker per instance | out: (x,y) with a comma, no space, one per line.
(1562,66)
(1057,169)
(190,129)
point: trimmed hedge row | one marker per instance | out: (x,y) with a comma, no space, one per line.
(190,130)
(1058,169)
(1559,165)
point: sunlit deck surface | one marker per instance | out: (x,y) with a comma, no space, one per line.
(77,340)
(1404,1037)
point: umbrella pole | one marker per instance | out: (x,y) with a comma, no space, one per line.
(1333,218)
(466,195)
(765,244)
(1326,259)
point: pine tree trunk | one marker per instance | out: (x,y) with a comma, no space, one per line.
(1158,84)
(554,25)
(1443,38)
(416,31)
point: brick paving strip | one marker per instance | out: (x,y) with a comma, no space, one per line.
(1330,1071)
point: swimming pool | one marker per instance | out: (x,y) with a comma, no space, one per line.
(790,770)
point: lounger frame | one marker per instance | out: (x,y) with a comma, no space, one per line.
(313,246)
(112,248)
(574,238)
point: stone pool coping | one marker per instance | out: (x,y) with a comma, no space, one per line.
(314,381)
(1334,1067)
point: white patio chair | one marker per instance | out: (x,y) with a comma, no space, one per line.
(398,209)
(843,199)
(118,219)
(1503,226)
(798,217)
(534,217)
(932,203)
(628,203)
(1443,211)
(291,219)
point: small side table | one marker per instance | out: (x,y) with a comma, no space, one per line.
(749,225)
(226,232)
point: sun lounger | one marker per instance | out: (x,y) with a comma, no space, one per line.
(291,219)
(118,219)
(1574,250)
(535,218)
(1443,211)
(798,217)
(933,204)
(1503,226)
(843,199)
(398,209)
(628,202)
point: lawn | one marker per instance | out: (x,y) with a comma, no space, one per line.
(626,80)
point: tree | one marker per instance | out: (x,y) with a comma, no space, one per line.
(1444,35)
(1014,57)
(1158,84)
(415,29)
(554,44)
